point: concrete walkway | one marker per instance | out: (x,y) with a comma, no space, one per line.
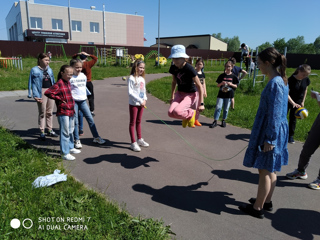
(186,187)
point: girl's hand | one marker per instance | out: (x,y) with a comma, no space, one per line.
(201,108)
(302,104)
(63,101)
(39,100)
(295,105)
(144,103)
(267,147)
(205,95)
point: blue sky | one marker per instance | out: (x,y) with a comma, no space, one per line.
(254,21)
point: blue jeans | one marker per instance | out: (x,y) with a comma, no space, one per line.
(66,133)
(80,119)
(226,104)
(83,107)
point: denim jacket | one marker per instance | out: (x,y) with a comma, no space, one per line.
(35,81)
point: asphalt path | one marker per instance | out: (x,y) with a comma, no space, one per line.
(181,178)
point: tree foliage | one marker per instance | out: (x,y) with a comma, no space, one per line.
(233,43)
(294,45)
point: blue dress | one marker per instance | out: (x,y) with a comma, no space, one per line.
(270,126)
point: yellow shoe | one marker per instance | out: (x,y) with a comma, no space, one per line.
(197,123)
(185,123)
(192,120)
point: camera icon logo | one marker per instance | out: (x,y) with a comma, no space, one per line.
(15,223)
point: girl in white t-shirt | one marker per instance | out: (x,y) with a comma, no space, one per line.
(79,93)
(137,103)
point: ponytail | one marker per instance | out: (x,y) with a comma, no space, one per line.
(277,60)
(282,68)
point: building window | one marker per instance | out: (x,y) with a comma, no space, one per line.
(57,24)
(76,26)
(36,22)
(94,27)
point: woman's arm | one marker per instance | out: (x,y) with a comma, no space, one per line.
(304,97)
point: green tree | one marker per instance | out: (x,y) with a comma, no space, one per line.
(317,45)
(233,44)
(307,49)
(295,44)
(280,45)
(264,46)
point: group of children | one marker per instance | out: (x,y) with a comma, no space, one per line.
(70,95)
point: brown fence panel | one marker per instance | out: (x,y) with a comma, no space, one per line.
(25,49)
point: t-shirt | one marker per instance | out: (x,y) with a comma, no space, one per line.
(78,87)
(297,88)
(46,80)
(184,77)
(236,70)
(226,91)
(201,77)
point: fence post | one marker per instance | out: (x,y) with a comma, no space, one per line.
(255,68)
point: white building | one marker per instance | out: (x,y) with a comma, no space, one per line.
(27,21)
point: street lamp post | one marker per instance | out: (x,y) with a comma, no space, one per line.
(158,34)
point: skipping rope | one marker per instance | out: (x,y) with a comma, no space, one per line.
(193,148)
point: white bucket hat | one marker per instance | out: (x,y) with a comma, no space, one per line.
(178,51)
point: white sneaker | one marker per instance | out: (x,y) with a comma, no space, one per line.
(142,143)
(135,147)
(68,157)
(77,144)
(74,151)
(99,140)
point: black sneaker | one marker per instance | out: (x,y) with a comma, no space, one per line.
(266,206)
(251,211)
(52,134)
(291,140)
(214,124)
(42,137)
(93,115)
(223,123)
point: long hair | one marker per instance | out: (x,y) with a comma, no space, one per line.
(302,68)
(277,60)
(41,56)
(62,69)
(233,60)
(134,70)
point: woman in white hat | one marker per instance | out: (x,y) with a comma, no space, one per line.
(185,99)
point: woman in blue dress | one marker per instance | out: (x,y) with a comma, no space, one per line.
(267,150)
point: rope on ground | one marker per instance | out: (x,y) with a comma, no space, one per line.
(193,148)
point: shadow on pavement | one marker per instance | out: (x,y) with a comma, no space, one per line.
(175,122)
(249,177)
(235,137)
(126,161)
(107,144)
(25,100)
(188,199)
(302,224)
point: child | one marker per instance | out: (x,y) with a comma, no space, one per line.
(201,76)
(61,93)
(239,73)
(185,100)
(227,83)
(269,131)
(40,79)
(137,103)
(298,87)
(79,93)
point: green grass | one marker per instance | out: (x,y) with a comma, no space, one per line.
(246,101)
(14,79)
(20,164)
